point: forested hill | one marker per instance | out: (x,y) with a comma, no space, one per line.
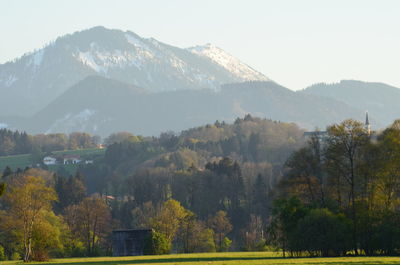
(204,168)
(217,172)
(246,140)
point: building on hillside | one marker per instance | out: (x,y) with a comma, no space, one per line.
(49,160)
(129,242)
(71,159)
(322,136)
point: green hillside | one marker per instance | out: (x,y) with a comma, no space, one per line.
(22,161)
(15,161)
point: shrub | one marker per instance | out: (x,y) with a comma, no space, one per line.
(226,244)
(324,233)
(15,256)
(2,254)
(157,244)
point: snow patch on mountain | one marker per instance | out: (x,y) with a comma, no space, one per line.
(3,125)
(101,60)
(57,123)
(85,114)
(88,59)
(44,74)
(36,58)
(137,42)
(77,121)
(229,62)
(9,80)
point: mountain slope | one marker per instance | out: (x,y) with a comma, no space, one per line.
(227,61)
(102,106)
(94,102)
(279,103)
(34,80)
(380,100)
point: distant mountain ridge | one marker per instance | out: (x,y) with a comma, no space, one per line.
(379,99)
(38,78)
(101,81)
(102,106)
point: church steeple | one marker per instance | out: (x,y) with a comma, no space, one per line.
(367,124)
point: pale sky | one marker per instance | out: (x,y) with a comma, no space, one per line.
(294,42)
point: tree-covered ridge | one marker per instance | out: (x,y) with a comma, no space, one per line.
(15,142)
(247,140)
(220,166)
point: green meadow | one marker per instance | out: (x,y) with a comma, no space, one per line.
(15,161)
(229,258)
(22,161)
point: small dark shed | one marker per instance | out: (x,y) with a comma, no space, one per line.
(129,242)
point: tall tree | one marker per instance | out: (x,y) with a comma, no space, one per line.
(389,171)
(169,219)
(70,191)
(306,171)
(90,220)
(344,153)
(2,188)
(221,225)
(29,199)
(259,194)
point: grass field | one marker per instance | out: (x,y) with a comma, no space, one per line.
(231,258)
(22,161)
(14,162)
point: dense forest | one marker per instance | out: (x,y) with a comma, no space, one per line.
(341,194)
(255,184)
(218,179)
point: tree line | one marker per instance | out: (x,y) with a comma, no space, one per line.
(341,195)
(44,215)
(16,143)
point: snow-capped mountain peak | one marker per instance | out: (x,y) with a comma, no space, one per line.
(229,62)
(136,41)
(45,74)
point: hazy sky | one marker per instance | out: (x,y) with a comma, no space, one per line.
(296,43)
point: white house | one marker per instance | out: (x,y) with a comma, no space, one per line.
(49,160)
(72,159)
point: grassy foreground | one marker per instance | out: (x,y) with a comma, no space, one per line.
(231,258)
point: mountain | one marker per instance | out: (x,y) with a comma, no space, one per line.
(380,100)
(102,106)
(31,82)
(101,81)
(268,99)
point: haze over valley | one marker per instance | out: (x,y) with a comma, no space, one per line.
(103,80)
